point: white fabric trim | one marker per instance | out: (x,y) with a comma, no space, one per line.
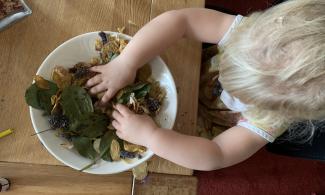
(226,36)
(256,130)
(232,103)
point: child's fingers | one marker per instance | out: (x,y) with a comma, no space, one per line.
(116,115)
(108,95)
(116,125)
(119,134)
(96,68)
(98,88)
(93,81)
(123,110)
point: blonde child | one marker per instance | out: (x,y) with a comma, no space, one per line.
(271,67)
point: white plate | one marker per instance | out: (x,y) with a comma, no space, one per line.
(81,49)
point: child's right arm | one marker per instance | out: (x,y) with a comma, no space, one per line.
(196,23)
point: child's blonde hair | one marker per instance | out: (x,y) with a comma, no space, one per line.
(275,62)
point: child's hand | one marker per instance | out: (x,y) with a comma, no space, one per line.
(111,78)
(132,127)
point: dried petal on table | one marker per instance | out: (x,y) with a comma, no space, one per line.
(140,172)
(121,29)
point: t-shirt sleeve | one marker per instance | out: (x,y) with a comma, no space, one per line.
(265,132)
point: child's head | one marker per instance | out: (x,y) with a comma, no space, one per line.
(275,61)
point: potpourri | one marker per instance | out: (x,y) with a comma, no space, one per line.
(74,113)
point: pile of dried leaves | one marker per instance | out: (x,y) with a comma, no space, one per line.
(74,113)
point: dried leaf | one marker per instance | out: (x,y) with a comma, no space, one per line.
(96,145)
(76,102)
(31,96)
(133,147)
(98,45)
(144,73)
(115,150)
(92,125)
(84,147)
(105,144)
(140,172)
(61,77)
(41,82)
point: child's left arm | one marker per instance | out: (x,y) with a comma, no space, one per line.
(229,148)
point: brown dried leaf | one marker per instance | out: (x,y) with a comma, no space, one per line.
(133,147)
(61,77)
(41,82)
(123,44)
(157,92)
(140,172)
(55,100)
(115,150)
(144,73)
(98,45)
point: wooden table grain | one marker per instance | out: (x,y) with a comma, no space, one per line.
(26,44)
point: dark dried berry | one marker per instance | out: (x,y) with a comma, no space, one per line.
(59,121)
(81,72)
(126,154)
(103,37)
(153,104)
(73,70)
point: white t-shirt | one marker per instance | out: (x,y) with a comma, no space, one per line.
(234,103)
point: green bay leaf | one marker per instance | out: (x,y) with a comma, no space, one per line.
(84,146)
(31,96)
(76,102)
(105,144)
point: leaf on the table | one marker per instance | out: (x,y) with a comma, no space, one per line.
(76,102)
(84,146)
(105,144)
(140,172)
(93,125)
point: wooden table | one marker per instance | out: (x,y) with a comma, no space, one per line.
(25,45)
